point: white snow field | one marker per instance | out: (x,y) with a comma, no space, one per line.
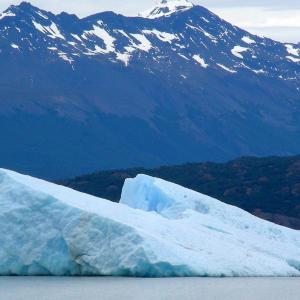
(159,229)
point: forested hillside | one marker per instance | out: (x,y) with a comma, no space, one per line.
(266,187)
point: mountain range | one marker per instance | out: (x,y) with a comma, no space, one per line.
(175,84)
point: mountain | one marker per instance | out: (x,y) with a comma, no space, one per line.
(176,84)
(266,187)
(159,229)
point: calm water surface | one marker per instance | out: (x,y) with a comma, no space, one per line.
(107,288)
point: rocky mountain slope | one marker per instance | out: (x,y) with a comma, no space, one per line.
(176,84)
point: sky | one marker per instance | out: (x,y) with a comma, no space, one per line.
(278,19)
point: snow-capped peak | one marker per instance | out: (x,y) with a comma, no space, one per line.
(166,8)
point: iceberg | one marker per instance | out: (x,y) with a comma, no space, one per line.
(158,229)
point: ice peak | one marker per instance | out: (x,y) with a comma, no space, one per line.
(159,229)
(166,8)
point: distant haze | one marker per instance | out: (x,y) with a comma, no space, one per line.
(277,19)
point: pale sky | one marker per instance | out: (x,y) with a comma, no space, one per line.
(278,19)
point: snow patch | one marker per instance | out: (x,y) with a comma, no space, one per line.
(124,57)
(52,31)
(200,61)
(39,27)
(124,33)
(145,44)
(163,36)
(72,44)
(291,50)
(237,50)
(77,37)
(183,56)
(248,40)
(261,71)
(227,69)
(15,46)
(42,15)
(293,59)
(103,35)
(65,57)
(6,14)
(210,36)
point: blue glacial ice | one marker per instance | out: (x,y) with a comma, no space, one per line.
(159,229)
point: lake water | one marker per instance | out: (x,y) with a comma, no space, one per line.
(107,288)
